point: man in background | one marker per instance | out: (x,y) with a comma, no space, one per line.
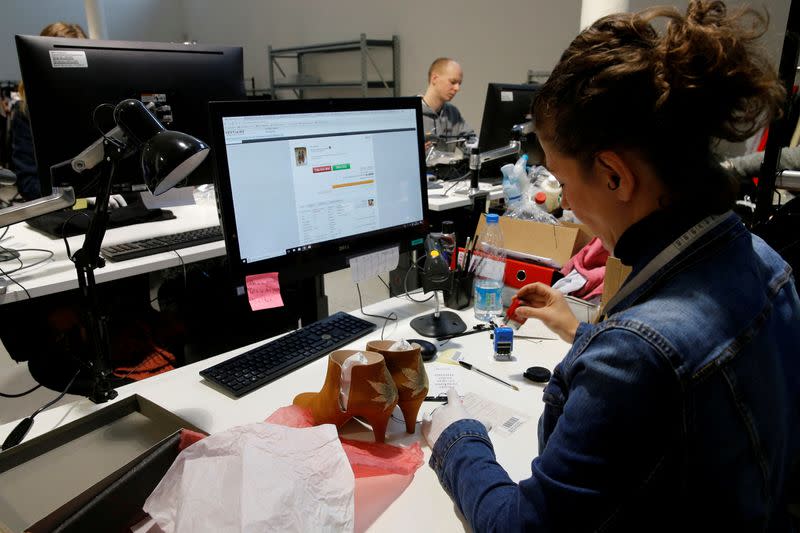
(442,121)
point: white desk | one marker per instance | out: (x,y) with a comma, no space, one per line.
(183,392)
(440,200)
(58,274)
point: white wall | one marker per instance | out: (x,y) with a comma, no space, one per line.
(138,20)
(28,17)
(144,20)
(494,41)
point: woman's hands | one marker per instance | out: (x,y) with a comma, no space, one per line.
(548,305)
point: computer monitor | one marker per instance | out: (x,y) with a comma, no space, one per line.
(303,185)
(506,105)
(67,79)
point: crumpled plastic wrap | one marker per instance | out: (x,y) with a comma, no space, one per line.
(357,358)
(401,346)
(258,477)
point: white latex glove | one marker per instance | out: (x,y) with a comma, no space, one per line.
(114,201)
(434,424)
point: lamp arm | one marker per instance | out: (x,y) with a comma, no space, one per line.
(86,260)
(95,153)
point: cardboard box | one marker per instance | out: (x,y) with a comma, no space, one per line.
(557,243)
(92,474)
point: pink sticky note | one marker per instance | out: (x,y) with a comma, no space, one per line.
(263,291)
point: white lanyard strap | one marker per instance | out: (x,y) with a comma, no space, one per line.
(665,256)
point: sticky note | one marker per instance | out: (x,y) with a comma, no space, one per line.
(263,291)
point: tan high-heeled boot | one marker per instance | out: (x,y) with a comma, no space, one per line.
(408,373)
(373,394)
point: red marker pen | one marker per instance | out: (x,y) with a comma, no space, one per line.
(511,320)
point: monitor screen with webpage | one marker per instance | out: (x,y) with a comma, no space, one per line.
(303,185)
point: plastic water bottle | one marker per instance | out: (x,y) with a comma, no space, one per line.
(491,266)
(520,167)
(511,190)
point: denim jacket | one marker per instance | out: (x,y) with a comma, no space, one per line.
(683,403)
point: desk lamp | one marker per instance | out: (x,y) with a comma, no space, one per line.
(167,157)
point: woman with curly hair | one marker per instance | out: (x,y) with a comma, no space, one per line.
(678,408)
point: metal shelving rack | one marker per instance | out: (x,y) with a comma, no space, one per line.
(362,45)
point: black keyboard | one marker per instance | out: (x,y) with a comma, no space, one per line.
(163,243)
(250,370)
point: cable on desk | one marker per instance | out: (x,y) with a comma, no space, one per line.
(456,182)
(405,282)
(64,231)
(17,282)
(387,287)
(21,394)
(19,432)
(22,265)
(183,265)
(386,319)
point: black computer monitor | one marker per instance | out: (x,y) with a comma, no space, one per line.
(303,185)
(67,79)
(506,105)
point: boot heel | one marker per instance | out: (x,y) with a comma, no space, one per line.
(410,410)
(409,376)
(379,423)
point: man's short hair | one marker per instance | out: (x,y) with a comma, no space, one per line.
(438,65)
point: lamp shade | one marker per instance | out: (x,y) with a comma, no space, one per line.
(168,157)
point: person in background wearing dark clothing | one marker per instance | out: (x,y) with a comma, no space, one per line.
(23,160)
(678,409)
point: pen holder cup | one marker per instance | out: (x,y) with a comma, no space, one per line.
(460,294)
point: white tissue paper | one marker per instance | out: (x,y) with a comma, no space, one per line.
(401,346)
(357,358)
(258,477)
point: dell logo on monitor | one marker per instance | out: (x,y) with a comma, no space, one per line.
(344,247)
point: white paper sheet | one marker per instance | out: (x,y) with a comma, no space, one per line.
(258,477)
(369,265)
(441,378)
(504,420)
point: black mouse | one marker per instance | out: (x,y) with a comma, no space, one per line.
(428,348)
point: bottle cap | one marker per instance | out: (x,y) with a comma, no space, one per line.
(448,226)
(492,218)
(540,197)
